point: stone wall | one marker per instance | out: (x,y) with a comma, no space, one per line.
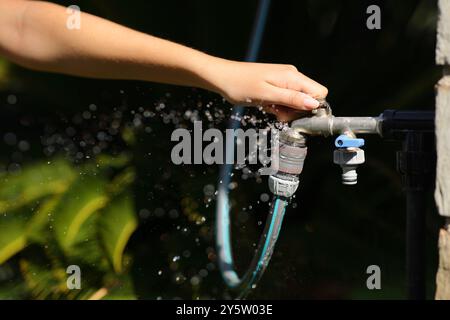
(442,192)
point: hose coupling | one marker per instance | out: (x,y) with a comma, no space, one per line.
(290,159)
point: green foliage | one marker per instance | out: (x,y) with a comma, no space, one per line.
(117,223)
(84,198)
(35,182)
(13,236)
(68,215)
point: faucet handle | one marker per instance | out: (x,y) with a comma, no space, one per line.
(324,109)
(345,141)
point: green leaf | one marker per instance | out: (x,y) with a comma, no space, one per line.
(23,226)
(121,181)
(34,182)
(43,280)
(87,248)
(83,198)
(12,236)
(37,226)
(129,135)
(12,240)
(108,161)
(117,222)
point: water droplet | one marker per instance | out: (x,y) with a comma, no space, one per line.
(264,197)
(10,138)
(209,190)
(11,99)
(195,280)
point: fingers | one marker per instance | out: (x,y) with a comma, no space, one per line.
(291,78)
(293,89)
(292,98)
(302,83)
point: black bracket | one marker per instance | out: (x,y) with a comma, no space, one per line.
(416,162)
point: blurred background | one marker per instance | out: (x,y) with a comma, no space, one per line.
(86,176)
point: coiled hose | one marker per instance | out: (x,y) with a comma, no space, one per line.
(273,224)
(263,253)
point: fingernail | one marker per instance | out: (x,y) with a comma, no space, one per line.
(311,103)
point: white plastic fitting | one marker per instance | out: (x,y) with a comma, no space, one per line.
(349,159)
(283,185)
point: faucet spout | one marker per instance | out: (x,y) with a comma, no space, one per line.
(330,125)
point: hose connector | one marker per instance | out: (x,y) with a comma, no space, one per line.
(291,155)
(348,155)
(283,185)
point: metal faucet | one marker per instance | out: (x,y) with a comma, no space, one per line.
(348,154)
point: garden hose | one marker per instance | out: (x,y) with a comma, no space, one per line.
(263,253)
(291,152)
(290,155)
(223,240)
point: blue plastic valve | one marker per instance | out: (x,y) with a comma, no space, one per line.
(344,141)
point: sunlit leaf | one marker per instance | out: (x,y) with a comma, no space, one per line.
(37,227)
(87,249)
(12,236)
(106,160)
(34,182)
(22,226)
(83,198)
(118,221)
(12,239)
(121,181)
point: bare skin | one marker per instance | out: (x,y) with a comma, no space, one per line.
(34,34)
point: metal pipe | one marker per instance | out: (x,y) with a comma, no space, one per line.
(330,125)
(415,129)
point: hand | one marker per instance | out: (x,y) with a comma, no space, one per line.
(280,89)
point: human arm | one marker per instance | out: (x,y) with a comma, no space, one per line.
(34,34)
